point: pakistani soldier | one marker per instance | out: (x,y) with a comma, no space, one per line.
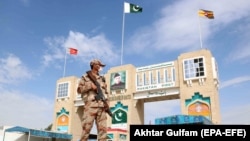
(94,110)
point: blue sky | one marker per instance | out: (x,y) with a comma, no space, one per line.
(35,33)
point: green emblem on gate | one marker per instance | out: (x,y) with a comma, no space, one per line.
(119,113)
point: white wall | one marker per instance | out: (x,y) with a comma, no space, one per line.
(11,136)
(15,136)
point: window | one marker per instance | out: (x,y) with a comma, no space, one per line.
(63,90)
(139,79)
(166,76)
(194,68)
(151,78)
(144,79)
(173,74)
(159,77)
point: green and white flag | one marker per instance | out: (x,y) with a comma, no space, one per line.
(132,8)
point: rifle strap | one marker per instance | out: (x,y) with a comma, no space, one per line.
(92,78)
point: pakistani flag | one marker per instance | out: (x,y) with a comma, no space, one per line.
(132,8)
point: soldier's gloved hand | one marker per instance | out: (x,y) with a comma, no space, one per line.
(93,86)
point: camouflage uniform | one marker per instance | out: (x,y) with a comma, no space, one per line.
(93,110)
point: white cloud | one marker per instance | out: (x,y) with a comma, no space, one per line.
(241,49)
(239,114)
(241,53)
(28,110)
(172,31)
(13,70)
(178,26)
(92,47)
(19,108)
(88,48)
(234,81)
(55,51)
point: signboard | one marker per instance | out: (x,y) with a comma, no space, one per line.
(155,66)
(155,86)
(151,94)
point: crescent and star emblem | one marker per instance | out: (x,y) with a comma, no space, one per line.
(116,118)
(136,8)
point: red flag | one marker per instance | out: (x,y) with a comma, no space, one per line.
(73,51)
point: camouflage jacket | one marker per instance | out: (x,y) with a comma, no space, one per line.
(88,94)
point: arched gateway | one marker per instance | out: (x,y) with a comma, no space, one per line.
(192,78)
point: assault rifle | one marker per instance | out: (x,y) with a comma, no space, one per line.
(100,95)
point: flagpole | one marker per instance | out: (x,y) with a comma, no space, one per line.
(200,31)
(64,62)
(123,19)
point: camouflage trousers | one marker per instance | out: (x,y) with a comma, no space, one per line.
(98,115)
